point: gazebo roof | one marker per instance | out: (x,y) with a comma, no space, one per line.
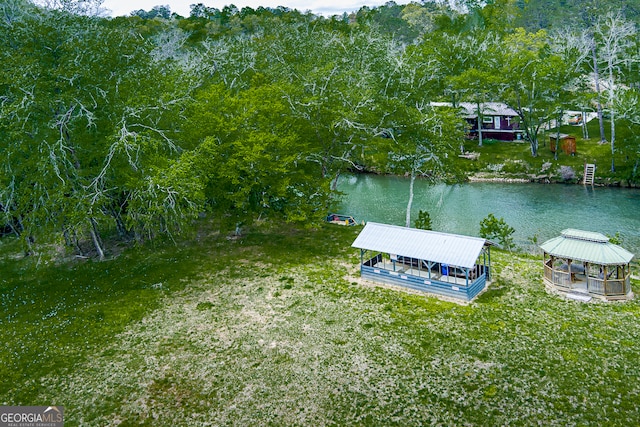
(452,249)
(586,246)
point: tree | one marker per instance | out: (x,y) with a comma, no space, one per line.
(78,7)
(251,162)
(615,37)
(592,19)
(79,141)
(497,229)
(627,104)
(419,143)
(566,65)
(423,221)
(461,66)
(335,100)
(417,137)
(502,16)
(163,12)
(532,77)
(441,57)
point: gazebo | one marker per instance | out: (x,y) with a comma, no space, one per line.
(440,263)
(584,264)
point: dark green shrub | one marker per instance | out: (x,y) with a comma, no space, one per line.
(497,229)
(423,221)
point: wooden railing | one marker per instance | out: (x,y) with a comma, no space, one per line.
(618,287)
(558,278)
(610,287)
(596,286)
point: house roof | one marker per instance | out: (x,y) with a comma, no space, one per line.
(452,249)
(470,109)
(586,246)
(488,109)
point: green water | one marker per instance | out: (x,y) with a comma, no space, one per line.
(534,210)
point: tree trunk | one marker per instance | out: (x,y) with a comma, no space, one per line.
(558,119)
(479,126)
(530,130)
(29,251)
(596,77)
(120,226)
(613,135)
(14,229)
(413,180)
(76,243)
(95,236)
(612,112)
(533,137)
(72,241)
(585,129)
(334,184)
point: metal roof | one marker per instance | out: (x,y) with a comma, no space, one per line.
(470,109)
(488,109)
(584,235)
(586,246)
(452,249)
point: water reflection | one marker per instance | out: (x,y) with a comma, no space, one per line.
(534,210)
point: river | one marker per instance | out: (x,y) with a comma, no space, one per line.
(535,211)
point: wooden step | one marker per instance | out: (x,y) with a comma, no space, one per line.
(589,173)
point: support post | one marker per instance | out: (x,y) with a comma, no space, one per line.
(488,268)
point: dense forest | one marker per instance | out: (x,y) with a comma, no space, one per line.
(128,128)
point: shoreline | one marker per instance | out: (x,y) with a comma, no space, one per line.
(487,176)
(545,179)
(529,179)
(474,178)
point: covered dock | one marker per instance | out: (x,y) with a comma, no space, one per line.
(440,263)
(584,263)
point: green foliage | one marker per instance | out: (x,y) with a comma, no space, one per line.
(533,79)
(497,229)
(423,221)
(616,239)
(137,125)
(179,332)
(515,167)
(251,162)
(82,146)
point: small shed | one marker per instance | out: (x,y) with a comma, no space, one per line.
(440,263)
(567,143)
(586,263)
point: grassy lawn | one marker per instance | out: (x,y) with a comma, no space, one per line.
(276,328)
(513,159)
